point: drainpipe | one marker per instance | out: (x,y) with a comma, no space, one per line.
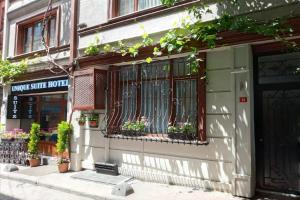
(73,36)
(73,56)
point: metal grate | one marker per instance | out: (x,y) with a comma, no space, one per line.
(89,89)
(161,94)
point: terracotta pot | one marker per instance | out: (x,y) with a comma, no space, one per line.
(81,123)
(63,167)
(93,124)
(34,162)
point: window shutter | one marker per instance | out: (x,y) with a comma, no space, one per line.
(89,89)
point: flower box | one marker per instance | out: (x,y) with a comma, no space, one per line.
(182,136)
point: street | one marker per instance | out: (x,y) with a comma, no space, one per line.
(13,190)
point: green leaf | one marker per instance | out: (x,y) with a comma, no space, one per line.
(148,60)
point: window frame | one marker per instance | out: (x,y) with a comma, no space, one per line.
(201,93)
(30,22)
(113,11)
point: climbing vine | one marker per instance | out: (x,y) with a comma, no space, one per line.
(191,31)
(9,71)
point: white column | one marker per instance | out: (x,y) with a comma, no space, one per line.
(244,176)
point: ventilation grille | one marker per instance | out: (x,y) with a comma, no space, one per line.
(89,89)
(106,168)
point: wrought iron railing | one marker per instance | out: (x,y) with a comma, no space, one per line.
(155,102)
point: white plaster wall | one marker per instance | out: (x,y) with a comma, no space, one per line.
(90,15)
(224,164)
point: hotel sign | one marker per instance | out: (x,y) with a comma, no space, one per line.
(40,86)
(13,107)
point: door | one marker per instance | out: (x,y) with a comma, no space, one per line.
(278,123)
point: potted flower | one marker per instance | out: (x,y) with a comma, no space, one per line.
(185,131)
(82,120)
(23,136)
(63,132)
(34,139)
(94,120)
(134,128)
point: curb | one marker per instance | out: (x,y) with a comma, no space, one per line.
(54,187)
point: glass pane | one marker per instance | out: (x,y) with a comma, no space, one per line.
(186,102)
(144,4)
(155,105)
(126,7)
(279,68)
(155,70)
(27,39)
(180,68)
(37,37)
(52,32)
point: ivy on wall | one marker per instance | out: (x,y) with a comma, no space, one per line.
(9,71)
(191,31)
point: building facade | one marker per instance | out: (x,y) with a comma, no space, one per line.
(235,115)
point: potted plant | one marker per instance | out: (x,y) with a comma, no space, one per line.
(34,139)
(82,120)
(185,131)
(94,120)
(63,132)
(134,128)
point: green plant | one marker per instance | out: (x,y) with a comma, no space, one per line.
(93,48)
(138,126)
(9,71)
(82,118)
(62,160)
(94,117)
(34,140)
(187,128)
(172,129)
(63,131)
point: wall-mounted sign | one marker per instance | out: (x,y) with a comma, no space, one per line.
(243,99)
(40,86)
(29,107)
(13,107)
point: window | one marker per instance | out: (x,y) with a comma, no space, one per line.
(124,7)
(162,93)
(29,33)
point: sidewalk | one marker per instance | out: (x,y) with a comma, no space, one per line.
(142,190)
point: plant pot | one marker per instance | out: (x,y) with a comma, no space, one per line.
(34,162)
(63,167)
(81,123)
(132,133)
(182,136)
(93,124)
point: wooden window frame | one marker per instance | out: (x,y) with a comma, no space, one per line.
(30,22)
(201,94)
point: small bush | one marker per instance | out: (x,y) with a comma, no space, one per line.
(34,140)
(63,131)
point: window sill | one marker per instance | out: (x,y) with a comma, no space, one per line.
(157,138)
(39,53)
(135,17)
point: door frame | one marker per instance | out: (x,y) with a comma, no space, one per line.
(258,89)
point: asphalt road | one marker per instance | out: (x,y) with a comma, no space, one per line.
(14,190)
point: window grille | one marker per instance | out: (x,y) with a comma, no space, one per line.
(160,94)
